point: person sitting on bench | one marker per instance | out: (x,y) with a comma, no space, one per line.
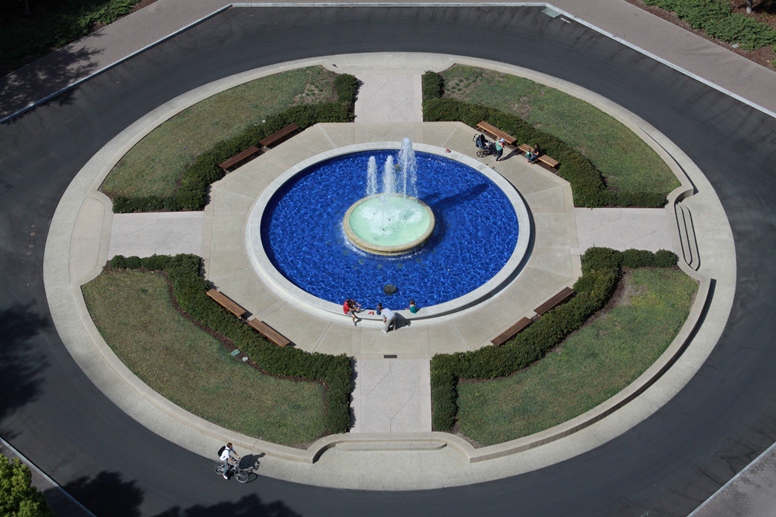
(533,155)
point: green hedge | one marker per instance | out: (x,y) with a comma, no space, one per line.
(191,194)
(433,84)
(346,86)
(189,290)
(601,271)
(718,20)
(587,184)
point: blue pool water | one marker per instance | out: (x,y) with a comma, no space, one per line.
(476,233)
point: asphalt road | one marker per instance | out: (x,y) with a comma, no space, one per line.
(666,465)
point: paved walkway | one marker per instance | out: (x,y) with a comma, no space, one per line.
(698,57)
(392,396)
(626,23)
(157,233)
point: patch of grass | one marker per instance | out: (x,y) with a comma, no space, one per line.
(626,162)
(134,312)
(155,165)
(591,366)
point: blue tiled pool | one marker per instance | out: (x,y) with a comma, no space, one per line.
(476,233)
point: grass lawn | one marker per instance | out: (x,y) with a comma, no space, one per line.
(592,365)
(155,164)
(627,163)
(134,312)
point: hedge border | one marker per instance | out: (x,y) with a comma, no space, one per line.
(601,271)
(189,288)
(192,192)
(587,184)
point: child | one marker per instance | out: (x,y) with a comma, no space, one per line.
(413,308)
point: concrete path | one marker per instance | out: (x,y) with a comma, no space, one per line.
(392,396)
(750,493)
(391,97)
(167,233)
(625,228)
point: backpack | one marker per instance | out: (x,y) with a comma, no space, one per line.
(221,450)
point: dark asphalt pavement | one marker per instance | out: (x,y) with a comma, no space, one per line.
(667,465)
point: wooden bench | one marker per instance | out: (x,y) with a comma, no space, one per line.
(269,333)
(278,137)
(496,132)
(238,159)
(556,300)
(511,332)
(225,302)
(552,163)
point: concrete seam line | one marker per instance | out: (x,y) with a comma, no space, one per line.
(732,480)
(45,476)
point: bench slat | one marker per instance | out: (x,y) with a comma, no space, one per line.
(496,132)
(511,331)
(240,158)
(225,302)
(268,332)
(276,138)
(556,300)
(550,162)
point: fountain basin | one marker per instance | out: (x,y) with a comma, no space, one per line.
(296,243)
(388,224)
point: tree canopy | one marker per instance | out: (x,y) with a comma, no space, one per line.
(18,498)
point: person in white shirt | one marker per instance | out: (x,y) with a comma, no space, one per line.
(227,459)
(389,319)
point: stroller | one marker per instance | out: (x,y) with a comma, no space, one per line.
(484,147)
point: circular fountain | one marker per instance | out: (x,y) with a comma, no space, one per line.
(389,222)
(318,233)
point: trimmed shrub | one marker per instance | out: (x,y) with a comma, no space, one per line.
(189,290)
(346,86)
(432,85)
(601,271)
(192,191)
(587,184)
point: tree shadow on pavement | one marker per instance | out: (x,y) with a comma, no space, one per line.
(106,494)
(251,505)
(20,364)
(44,77)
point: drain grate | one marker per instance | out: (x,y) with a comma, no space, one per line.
(391,356)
